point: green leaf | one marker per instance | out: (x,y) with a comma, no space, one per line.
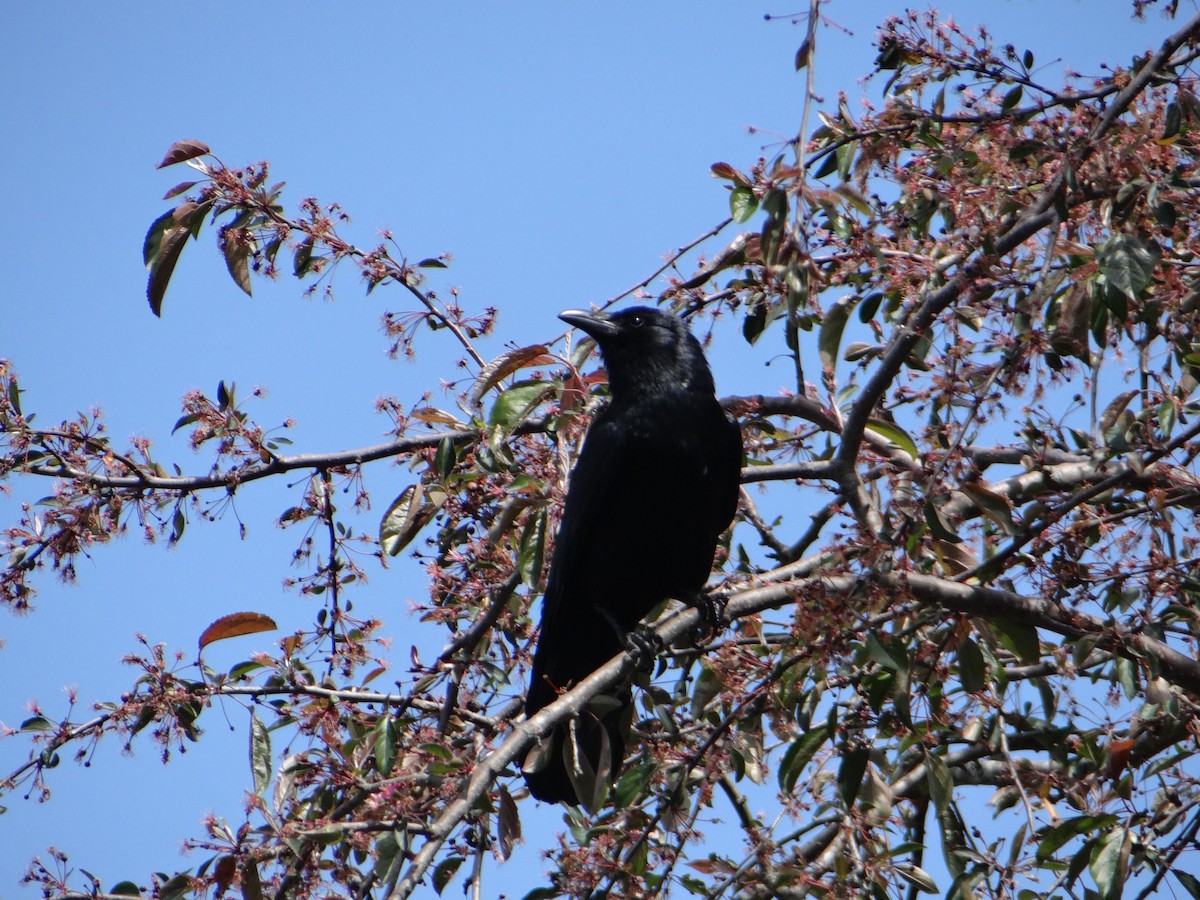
(829,338)
(941,784)
(1190,883)
(1127,676)
(532,549)
(883,656)
(1020,638)
(632,783)
(799,754)
(851,772)
(1022,149)
(407,515)
(1069,829)
(445,458)
(176,887)
(896,435)
(390,851)
(1109,862)
(161,251)
(302,260)
(14,395)
(995,506)
(444,872)
(516,403)
(775,204)
(260,755)
(1174,119)
(870,306)
(243,669)
(937,525)
(1127,263)
(972,670)
(385,745)
(845,160)
(1099,321)
(918,877)
(707,687)
(916,356)
(828,165)
(742,204)
(126,889)
(755,322)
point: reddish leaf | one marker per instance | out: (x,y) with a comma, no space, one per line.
(503,366)
(728,172)
(1072,325)
(803,55)
(1118,756)
(1108,418)
(224,871)
(574,393)
(163,244)
(712,866)
(235,245)
(179,189)
(431,415)
(509,824)
(251,884)
(234,625)
(182,151)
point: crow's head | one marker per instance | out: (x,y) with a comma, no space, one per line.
(645,350)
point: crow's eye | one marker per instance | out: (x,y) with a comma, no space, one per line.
(637,321)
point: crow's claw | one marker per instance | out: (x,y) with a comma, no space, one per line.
(644,645)
(712,614)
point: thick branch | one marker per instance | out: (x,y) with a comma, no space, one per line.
(1177,668)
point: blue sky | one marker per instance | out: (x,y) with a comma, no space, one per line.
(557,150)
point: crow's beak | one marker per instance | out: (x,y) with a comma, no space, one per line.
(598,325)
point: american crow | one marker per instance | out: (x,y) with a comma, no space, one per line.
(655,485)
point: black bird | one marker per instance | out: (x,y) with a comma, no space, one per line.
(655,485)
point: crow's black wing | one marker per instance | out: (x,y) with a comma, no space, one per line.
(570,645)
(577,636)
